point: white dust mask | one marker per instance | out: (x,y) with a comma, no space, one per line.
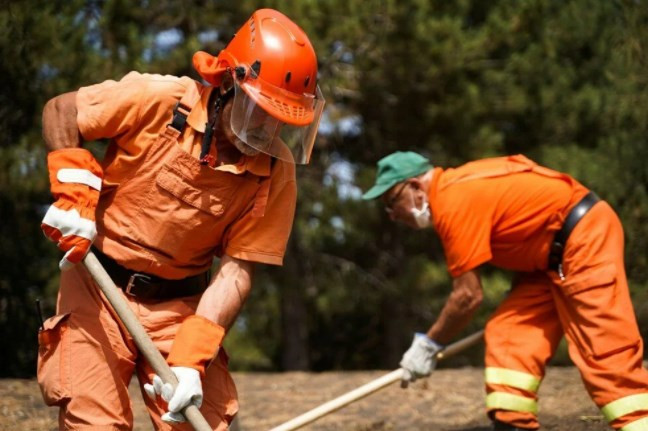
(422,215)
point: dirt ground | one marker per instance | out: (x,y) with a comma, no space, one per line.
(450,400)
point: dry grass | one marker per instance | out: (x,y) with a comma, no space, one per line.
(451,400)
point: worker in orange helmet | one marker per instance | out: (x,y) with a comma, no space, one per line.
(191,172)
(566,248)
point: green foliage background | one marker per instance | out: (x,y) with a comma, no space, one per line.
(562,82)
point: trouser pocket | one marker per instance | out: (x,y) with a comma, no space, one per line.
(54,360)
(601,313)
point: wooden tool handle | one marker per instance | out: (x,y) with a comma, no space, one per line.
(370,388)
(141,338)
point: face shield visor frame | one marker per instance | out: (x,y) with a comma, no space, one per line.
(275,121)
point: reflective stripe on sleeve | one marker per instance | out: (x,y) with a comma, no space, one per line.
(79,176)
(506,401)
(625,405)
(638,425)
(512,378)
(70,223)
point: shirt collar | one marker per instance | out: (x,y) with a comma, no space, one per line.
(198,115)
(432,190)
(258,165)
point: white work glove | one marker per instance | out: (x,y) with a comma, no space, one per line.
(420,359)
(75,178)
(188,391)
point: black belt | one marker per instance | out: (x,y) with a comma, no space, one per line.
(560,239)
(150,287)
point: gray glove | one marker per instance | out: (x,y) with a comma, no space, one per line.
(420,359)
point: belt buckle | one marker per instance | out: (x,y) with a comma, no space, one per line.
(133,279)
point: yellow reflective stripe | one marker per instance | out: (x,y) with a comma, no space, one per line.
(638,425)
(512,378)
(506,401)
(625,405)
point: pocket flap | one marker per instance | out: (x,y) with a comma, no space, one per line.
(47,335)
(589,278)
(53,321)
(208,200)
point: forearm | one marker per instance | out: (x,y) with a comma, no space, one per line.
(60,129)
(458,311)
(453,319)
(227,292)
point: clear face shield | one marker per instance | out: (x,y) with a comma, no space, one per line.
(275,121)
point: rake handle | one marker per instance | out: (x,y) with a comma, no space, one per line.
(370,388)
(141,338)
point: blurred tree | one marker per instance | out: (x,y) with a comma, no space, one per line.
(455,81)
(564,83)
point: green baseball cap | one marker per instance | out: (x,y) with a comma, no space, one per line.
(394,168)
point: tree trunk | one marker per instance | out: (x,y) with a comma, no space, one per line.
(294,316)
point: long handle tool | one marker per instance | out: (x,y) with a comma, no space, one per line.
(141,338)
(370,388)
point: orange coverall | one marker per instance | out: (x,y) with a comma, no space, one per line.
(162,213)
(506,211)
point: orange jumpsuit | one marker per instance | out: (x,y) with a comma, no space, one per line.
(506,211)
(162,213)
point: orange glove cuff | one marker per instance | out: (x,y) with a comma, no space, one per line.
(196,343)
(75,176)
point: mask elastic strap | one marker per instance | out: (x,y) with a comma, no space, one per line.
(210,127)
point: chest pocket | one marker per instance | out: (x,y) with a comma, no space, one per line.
(210,197)
(186,207)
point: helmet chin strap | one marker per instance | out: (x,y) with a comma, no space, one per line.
(211,125)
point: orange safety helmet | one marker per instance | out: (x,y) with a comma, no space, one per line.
(274,64)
